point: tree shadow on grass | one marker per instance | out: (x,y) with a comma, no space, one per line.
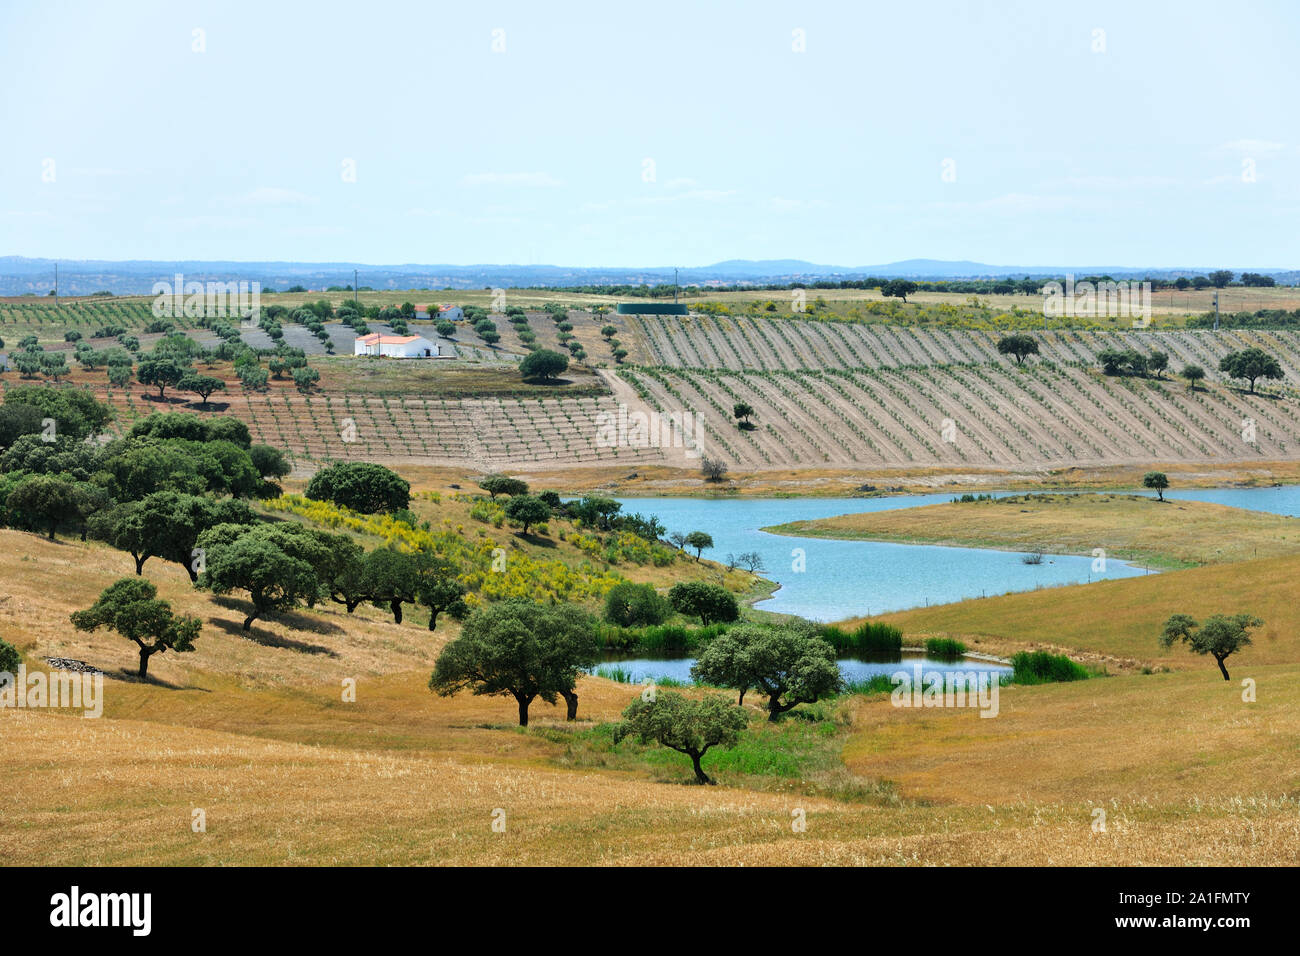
(132,676)
(265,638)
(536,539)
(292,619)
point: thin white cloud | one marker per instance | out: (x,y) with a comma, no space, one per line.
(1020,203)
(690,195)
(533,180)
(1120,182)
(275,196)
(780,204)
(1253,146)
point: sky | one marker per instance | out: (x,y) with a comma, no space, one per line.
(652,134)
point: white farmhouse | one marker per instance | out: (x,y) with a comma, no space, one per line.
(399,346)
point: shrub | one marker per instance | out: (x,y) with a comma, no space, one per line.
(868,638)
(361,486)
(945,648)
(708,602)
(9,658)
(543,364)
(1040,667)
(636,605)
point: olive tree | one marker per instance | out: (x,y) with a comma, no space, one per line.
(691,727)
(527,510)
(1156,480)
(1019,346)
(275,564)
(503,485)
(788,663)
(699,540)
(1220,636)
(709,602)
(131,607)
(521,649)
(362,486)
(1250,364)
(47,500)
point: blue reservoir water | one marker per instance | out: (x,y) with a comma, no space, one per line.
(828,580)
(1284,500)
(641,669)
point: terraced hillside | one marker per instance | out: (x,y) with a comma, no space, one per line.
(741,344)
(830,394)
(826,395)
(488,434)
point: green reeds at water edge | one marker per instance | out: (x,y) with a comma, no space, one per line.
(665,640)
(866,640)
(944,648)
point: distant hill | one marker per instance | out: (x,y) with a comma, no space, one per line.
(24,276)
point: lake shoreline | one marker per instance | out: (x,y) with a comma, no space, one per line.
(1170,534)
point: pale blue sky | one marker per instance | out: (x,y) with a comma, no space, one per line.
(1062,155)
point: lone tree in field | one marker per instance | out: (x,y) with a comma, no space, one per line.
(1018,346)
(709,602)
(521,649)
(743,412)
(1219,636)
(543,365)
(1157,362)
(691,727)
(1156,480)
(527,510)
(787,663)
(699,540)
(362,486)
(201,385)
(898,289)
(713,469)
(503,485)
(1250,364)
(131,607)
(1193,374)
(160,373)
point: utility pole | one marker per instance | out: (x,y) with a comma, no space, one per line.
(1216,310)
(355,291)
(56,285)
(674,285)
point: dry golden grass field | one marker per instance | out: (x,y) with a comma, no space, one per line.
(252,730)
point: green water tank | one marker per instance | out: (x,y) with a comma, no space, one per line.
(651,308)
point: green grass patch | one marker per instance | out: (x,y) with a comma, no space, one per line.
(664,640)
(867,639)
(944,648)
(799,753)
(1040,667)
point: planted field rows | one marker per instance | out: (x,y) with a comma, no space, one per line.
(974,414)
(488,433)
(740,344)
